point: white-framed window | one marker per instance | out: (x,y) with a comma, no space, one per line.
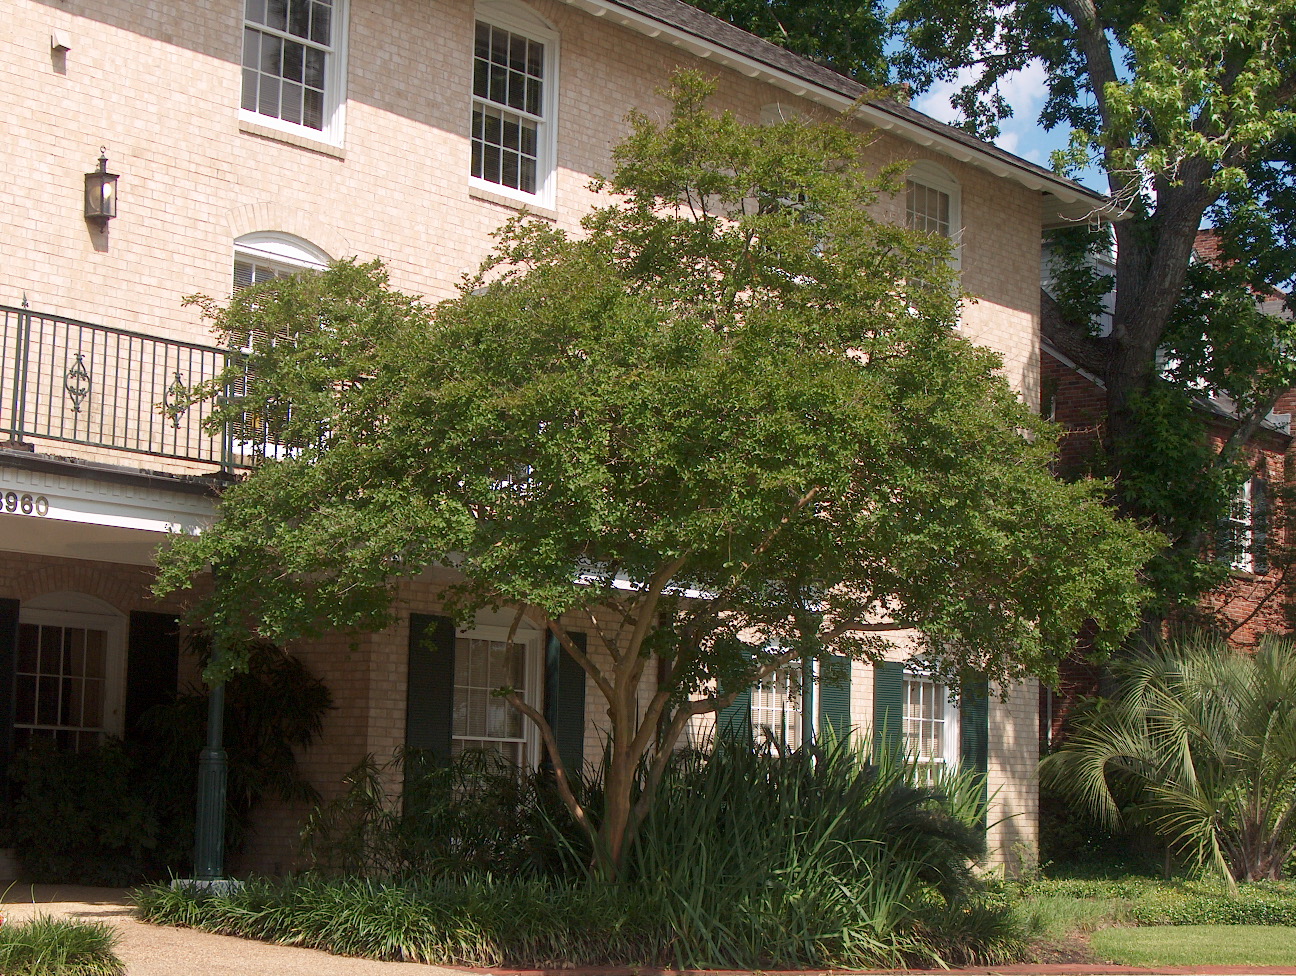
(266,255)
(69,674)
(1241,533)
(485,661)
(933,205)
(514,89)
(294,54)
(776,707)
(930,722)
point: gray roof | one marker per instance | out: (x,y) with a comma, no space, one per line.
(713,32)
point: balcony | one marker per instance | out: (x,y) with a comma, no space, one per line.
(63,381)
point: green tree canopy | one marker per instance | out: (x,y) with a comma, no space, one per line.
(848,37)
(728,425)
(1186,108)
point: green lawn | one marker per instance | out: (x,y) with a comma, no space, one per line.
(1197,945)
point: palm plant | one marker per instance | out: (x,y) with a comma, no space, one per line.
(1199,741)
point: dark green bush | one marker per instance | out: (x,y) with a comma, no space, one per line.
(125,812)
(749,860)
(80,817)
(476,814)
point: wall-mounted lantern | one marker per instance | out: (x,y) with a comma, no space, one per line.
(101,193)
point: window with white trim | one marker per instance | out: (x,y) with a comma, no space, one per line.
(933,204)
(485,661)
(293,52)
(930,722)
(776,707)
(1241,534)
(260,257)
(69,673)
(266,255)
(514,61)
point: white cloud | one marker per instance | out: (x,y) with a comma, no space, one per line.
(1025,92)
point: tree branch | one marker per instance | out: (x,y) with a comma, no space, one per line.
(560,771)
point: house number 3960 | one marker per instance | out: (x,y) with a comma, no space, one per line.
(27,504)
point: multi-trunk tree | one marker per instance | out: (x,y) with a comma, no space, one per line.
(727,426)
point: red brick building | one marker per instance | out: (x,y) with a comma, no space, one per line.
(1252,541)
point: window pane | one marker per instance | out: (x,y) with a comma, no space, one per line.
(299,18)
(292,102)
(47,700)
(28,648)
(294,62)
(313,109)
(315,68)
(51,654)
(25,699)
(322,24)
(96,654)
(277,14)
(249,101)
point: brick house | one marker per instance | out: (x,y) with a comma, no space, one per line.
(257,137)
(1250,542)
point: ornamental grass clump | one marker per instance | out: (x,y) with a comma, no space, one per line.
(750,860)
(46,946)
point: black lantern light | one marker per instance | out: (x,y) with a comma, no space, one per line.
(101,193)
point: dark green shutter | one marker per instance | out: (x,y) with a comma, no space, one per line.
(834,696)
(888,706)
(430,697)
(974,730)
(8,659)
(734,721)
(152,664)
(564,701)
(1259,526)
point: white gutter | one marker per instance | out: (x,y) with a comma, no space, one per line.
(1072,206)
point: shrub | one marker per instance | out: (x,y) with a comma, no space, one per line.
(125,811)
(749,860)
(1200,742)
(475,814)
(45,946)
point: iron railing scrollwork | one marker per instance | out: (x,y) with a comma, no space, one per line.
(75,382)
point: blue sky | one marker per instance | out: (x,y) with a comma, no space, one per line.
(1021,134)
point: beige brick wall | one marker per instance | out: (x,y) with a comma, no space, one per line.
(158,85)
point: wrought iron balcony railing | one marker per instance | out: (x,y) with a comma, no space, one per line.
(79,383)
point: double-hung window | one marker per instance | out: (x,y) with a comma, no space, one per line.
(1241,533)
(776,707)
(512,108)
(930,723)
(482,720)
(292,64)
(933,205)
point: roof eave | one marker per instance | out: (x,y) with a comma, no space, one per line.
(1065,203)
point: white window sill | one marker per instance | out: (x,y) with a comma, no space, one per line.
(314,143)
(478,191)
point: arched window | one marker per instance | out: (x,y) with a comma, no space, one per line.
(70,672)
(266,255)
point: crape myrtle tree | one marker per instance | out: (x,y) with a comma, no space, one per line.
(1186,109)
(728,426)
